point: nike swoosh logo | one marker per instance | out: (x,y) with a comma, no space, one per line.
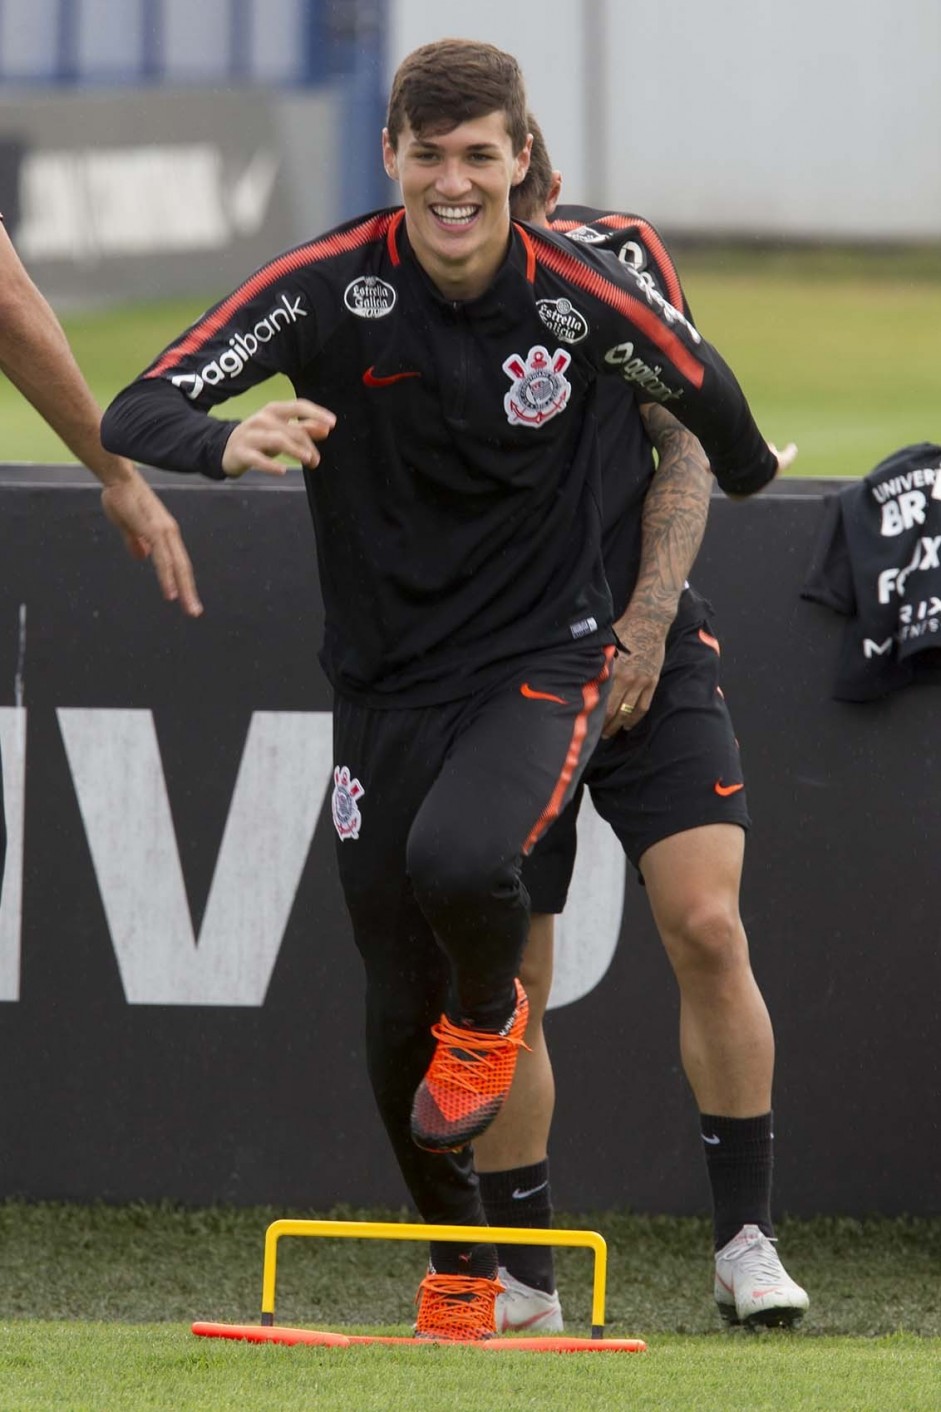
(712,1141)
(371,379)
(527,1323)
(531,695)
(724,790)
(763,1293)
(521,1195)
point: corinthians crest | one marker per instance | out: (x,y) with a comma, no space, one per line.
(540,389)
(346,816)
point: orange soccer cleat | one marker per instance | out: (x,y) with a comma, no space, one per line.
(467,1081)
(457,1308)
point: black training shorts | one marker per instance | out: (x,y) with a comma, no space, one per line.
(476,781)
(678,769)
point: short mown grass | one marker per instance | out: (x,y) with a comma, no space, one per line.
(147,1264)
(149,1366)
(96,1304)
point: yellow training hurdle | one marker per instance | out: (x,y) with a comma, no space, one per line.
(395,1230)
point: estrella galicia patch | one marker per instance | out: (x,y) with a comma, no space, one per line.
(347,819)
(563,320)
(369,297)
(540,388)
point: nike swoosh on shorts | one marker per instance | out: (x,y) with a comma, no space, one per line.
(532,695)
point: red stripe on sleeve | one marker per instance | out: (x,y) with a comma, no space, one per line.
(660,253)
(530,252)
(201,333)
(650,237)
(571,268)
(392,244)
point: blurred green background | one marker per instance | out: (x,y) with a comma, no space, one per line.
(837,350)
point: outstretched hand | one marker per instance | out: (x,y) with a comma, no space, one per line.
(280,429)
(150,531)
(786,457)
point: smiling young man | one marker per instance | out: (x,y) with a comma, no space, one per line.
(467,617)
(454,187)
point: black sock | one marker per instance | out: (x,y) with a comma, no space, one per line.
(522,1197)
(494,1016)
(739,1158)
(449,1257)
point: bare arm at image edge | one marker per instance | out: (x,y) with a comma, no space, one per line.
(36,357)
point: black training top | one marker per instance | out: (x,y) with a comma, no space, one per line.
(456,503)
(627,461)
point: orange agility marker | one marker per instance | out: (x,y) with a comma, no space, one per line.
(323,1338)
(559,1343)
(320,1338)
(256,1333)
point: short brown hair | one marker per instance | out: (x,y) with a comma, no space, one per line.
(453,81)
(528,199)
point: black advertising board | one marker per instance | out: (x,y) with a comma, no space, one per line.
(181,998)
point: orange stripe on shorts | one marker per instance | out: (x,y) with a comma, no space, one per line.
(591,694)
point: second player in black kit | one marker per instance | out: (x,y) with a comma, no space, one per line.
(456,506)
(667,777)
(671,784)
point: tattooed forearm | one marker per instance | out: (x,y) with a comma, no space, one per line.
(674,521)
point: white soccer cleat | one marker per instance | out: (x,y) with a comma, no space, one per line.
(520,1307)
(752,1286)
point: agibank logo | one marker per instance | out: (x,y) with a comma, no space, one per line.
(242,348)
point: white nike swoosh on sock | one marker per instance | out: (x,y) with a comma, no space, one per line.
(712,1141)
(522,1195)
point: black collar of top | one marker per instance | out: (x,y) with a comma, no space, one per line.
(501,295)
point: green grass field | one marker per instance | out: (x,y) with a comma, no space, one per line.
(96,1303)
(837,351)
(94,1366)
